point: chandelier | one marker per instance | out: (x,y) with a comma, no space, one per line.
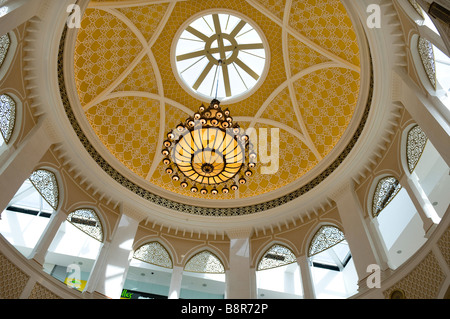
(209,152)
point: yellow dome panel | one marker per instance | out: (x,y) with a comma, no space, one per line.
(327,24)
(129,128)
(104,48)
(327,100)
(142,78)
(145,18)
(301,56)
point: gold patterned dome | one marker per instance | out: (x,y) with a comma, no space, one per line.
(304,97)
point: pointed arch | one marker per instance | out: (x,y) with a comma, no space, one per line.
(154,253)
(87,220)
(385,191)
(276,256)
(205,262)
(326,237)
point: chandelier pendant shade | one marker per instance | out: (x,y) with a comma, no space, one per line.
(210,151)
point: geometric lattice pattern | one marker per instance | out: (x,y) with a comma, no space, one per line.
(46,184)
(7,116)
(276,256)
(444,246)
(12,279)
(326,237)
(385,191)
(423,282)
(154,253)
(205,262)
(88,222)
(40,292)
(415,144)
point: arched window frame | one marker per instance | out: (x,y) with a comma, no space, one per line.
(165,254)
(80,220)
(423,45)
(193,268)
(280,256)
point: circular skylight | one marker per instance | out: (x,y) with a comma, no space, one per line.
(220,55)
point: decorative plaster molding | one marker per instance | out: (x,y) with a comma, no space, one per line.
(240,233)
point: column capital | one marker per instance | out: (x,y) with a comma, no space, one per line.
(240,233)
(341,190)
(132,212)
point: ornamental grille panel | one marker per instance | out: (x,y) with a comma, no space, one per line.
(88,222)
(5,42)
(205,262)
(46,184)
(154,253)
(426,53)
(415,145)
(385,191)
(7,116)
(326,237)
(276,256)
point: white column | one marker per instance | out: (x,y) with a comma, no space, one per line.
(421,202)
(240,284)
(432,117)
(355,230)
(41,248)
(110,270)
(307,281)
(378,242)
(21,163)
(175,282)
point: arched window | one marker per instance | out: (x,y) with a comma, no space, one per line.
(154,253)
(385,191)
(88,222)
(428,167)
(75,247)
(7,117)
(436,63)
(397,221)
(332,268)
(203,277)
(278,274)
(5,42)
(415,144)
(28,213)
(149,274)
(205,262)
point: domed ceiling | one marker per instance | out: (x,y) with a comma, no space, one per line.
(131,95)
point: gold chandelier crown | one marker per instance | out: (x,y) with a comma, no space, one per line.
(210,150)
